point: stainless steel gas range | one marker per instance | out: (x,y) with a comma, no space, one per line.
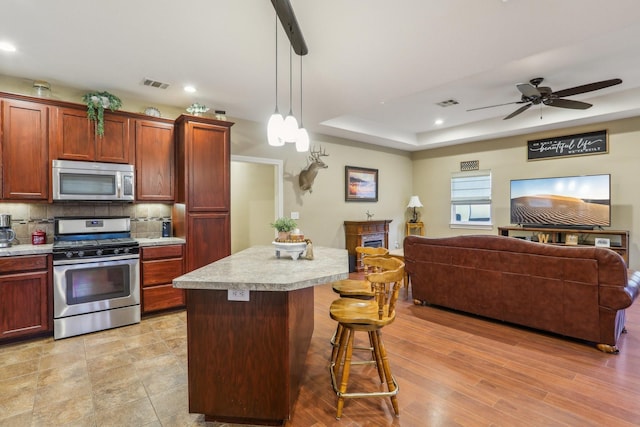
(96,275)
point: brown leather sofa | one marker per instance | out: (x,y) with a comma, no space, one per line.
(578,292)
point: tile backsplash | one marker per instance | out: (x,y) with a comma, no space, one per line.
(146,218)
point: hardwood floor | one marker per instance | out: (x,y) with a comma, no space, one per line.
(456,369)
(452,369)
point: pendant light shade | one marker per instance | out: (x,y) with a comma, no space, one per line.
(274,129)
(302,141)
(290,129)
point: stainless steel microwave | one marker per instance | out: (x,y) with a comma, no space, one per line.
(74,180)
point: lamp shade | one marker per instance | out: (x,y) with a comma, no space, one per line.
(414,202)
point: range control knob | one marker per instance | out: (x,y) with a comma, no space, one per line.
(68,254)
(80,253)
(99,252)
(116,251)
(126,250)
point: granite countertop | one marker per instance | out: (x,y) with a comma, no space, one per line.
(258,269)
(17,250)
(29,249)
(160,241)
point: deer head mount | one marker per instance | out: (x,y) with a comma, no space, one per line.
(308,174)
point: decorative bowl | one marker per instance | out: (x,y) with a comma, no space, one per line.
(295,250)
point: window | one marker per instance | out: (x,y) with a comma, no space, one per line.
(471,198)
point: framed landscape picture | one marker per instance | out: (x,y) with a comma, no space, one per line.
(360,184)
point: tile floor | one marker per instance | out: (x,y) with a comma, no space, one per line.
(130,376)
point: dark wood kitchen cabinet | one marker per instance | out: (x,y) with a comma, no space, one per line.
(155,161)
(25,298)
(201,212)
(74,137)
(24,139)
(160,265)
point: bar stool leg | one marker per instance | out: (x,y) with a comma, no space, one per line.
(391,385)
(377,357)
(335,342)
(345,370)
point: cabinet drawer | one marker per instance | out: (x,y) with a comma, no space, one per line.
(161,271)
(155,252)
(161,297)
(23,263)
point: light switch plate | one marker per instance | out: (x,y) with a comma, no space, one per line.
(295,215)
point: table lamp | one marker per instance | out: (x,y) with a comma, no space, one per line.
(414,203)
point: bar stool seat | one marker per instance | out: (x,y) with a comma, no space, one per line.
(359,288)
(369,316)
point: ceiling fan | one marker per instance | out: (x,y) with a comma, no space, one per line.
(534,94)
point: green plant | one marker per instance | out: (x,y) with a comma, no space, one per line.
(96,103)
(284,224)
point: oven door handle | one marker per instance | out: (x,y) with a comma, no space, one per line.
(94,260)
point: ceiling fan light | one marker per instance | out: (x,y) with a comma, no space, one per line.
(302,141)
(274,129)
(290,129)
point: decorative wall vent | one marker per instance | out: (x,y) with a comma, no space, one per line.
(447,103)
(470,165)
(154,83)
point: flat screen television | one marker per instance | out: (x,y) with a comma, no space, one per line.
(566,202)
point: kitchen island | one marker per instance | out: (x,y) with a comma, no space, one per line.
(246,357)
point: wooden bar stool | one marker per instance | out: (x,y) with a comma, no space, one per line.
(370,316)
(359,288)
(362,289)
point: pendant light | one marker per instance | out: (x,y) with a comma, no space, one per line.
(290,128)
(302,139)
(276,122)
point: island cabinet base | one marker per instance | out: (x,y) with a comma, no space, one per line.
(246,358)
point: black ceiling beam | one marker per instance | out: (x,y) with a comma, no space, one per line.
(290,24)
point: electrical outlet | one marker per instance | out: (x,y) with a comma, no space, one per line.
(237,295)
(397,245)
(295,215)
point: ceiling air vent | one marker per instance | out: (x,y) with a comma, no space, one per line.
(154,83)
(447,103)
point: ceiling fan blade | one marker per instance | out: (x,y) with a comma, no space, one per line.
(528,90)
(518,111)
(567,103)
(587,88)
(497,105)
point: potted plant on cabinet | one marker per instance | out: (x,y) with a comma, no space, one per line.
(96,103)
(284,226)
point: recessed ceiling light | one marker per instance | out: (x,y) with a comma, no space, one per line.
(189,89)
(438,122)
(7,47)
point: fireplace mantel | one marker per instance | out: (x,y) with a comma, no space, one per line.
(364,233)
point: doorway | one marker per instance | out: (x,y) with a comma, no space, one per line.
(256,200)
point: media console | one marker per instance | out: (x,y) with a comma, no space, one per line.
(618,239)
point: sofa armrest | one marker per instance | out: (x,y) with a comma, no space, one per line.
(618,298)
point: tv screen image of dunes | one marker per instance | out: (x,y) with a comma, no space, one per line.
(554,209)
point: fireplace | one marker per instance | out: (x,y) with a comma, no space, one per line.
(364,233)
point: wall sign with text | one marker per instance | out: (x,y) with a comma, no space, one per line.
(572,145)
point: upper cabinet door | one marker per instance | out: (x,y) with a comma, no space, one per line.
(208,169)
(114,146)
(74,137)
(155,161)
(25,154)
